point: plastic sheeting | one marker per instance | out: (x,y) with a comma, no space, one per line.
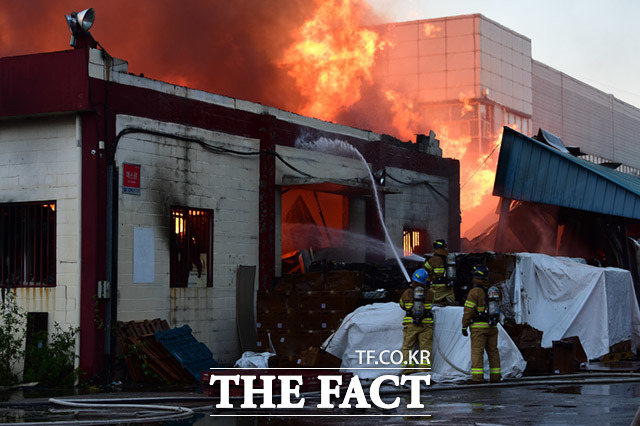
(563,298)
(254,360)
(378,328)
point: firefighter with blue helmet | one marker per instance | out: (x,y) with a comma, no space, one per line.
(418,322)
(482,314)
(436,266)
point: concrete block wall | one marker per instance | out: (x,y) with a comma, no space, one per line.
(418,206)
(40,161)
(177,173)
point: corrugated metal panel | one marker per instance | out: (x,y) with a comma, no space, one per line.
(529,170)
(546,85)
(587,118)
(626,124)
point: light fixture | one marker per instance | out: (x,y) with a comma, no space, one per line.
(80,23)
(381,176)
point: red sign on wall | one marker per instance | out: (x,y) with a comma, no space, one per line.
(131,178)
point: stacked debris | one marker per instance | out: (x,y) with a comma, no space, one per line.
(302,311)
(529,342)
(173,354)
(619,352)
(194,356)
(568,355)
(383,281)
(298,314)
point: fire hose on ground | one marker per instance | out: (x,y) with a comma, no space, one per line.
(147,412)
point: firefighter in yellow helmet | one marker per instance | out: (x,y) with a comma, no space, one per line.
(436,267)
(482,313)
(418,322)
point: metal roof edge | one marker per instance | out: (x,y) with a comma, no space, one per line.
(601,171)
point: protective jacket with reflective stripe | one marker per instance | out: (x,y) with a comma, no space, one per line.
(406,303)
(475,305)
(436,266)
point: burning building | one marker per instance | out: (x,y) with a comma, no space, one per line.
(468,76)
(125,198)
(130,198)
(465,77)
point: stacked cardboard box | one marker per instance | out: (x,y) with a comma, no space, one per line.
(528,340)
(302,311)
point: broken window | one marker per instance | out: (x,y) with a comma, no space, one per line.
(191,251)
(28,244)
(414,241)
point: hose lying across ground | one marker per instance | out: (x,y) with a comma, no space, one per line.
(146,413)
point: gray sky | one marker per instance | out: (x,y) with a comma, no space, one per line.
(597,42)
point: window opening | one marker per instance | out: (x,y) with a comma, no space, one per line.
(191,254)
(28,244)
(414,241)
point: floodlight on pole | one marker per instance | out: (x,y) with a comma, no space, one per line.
(80,23)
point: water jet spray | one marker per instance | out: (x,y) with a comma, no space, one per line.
(333,146)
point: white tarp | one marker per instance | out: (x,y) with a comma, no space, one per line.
(254,360)
(563,298)
(378,328)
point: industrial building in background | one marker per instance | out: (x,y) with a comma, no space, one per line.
(469,76)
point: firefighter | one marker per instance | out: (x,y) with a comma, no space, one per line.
(482,313)
(418,322)
(436,267)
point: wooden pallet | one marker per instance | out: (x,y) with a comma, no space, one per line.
(139,346)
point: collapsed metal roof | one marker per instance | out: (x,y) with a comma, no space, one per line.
(530,170)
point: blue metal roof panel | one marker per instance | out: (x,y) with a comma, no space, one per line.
(529,170)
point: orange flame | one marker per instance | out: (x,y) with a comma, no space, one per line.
(430,30)
(332,58)
(405,118)
(452,147)
(179,80)
(466,105)
(477,178)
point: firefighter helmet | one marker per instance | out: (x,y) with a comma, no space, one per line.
(440,244)
(481,271)
(420,276)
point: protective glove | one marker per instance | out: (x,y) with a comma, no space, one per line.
(465,333)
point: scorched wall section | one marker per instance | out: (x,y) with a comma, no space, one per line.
(181,173)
